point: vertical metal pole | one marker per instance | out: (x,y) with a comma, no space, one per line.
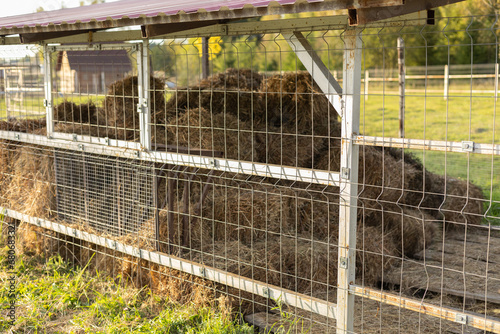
(446,82)
(367,83)
(144,106)
(402,74)
(204,57)
(47,85)
(348,182)
(496,80)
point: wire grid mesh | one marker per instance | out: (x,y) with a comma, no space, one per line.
(427,219)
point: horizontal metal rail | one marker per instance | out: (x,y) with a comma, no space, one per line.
(125,149)
(475,320)
(430,145)
(288,297)
(339,22)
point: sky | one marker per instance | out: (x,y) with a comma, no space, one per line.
(10,8)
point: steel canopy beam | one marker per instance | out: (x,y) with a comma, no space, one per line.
(32,38)
(318,70)
(367,15)
(153,30)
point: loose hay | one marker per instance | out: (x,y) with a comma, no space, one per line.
(120,105)
(73,113)
(295,102)
(233,92)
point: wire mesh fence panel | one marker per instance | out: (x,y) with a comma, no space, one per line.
(272,175)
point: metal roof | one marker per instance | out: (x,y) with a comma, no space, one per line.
(165,16)
(140,12)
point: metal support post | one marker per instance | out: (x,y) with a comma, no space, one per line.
(315,66)
(144,106)
(402,77)
(446,81)
(349,180)
(47,86)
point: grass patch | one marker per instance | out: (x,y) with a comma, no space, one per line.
(460,118)
(55,297)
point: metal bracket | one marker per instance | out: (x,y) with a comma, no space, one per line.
(17,136)
(141,107)
(51,48)
(344,263)
(461,319)
(138,154)
(224,29)
(106,140)
(468,146)
(213,163)
(203,272)
(266,292)
(75,137)
(47,103)
(81,147)
(96,46)
(345,173)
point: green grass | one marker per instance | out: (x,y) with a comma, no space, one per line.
(55,297)
(460,118)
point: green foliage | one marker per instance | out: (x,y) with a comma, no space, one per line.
(55,297)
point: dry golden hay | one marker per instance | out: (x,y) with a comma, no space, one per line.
(200,129)
(295,103)
(120,105)
(31,189)
(22,124)
(233,92)
(410,230)
(458,202)
(297,263)
(287,149)
(71,112)
(383,180)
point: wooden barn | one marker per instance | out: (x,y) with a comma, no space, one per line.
(90,71)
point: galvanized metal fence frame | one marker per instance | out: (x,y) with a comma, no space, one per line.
(346,100)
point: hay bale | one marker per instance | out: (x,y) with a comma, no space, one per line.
(22,124)
(232,92)
(412,231)
(295,103)
(31,189)
(383,180)
(200,129)
(459,203)
(286,149)
(76,113)
(121,101)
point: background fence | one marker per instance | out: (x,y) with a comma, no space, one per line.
(272,188)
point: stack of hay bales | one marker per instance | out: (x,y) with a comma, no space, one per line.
(298,127)
(281,233)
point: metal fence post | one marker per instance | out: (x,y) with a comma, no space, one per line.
(367,83)
(402,74)
(496,80)
(446,81)
(47,85)
(144,106)
(349,179)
